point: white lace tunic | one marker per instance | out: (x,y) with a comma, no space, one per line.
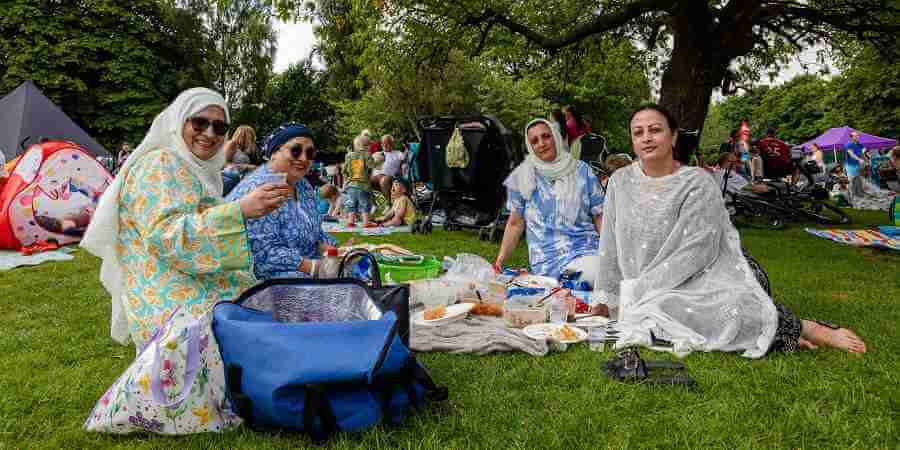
(671,261)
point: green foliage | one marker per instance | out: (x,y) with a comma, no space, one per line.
(110,66)
(393,67)
(298,94)
(865,96)
(244,43)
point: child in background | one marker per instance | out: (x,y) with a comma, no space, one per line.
(756,165)
(403,211)
(357,186)
(612,164)
(329,206)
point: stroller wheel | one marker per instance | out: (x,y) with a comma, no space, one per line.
(776,223)
(426,228)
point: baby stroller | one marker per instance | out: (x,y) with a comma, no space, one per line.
(785,201)
(471,197)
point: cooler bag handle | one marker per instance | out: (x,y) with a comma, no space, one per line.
(192,367)
(376,272)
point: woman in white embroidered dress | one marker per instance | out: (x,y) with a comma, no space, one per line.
(671,262)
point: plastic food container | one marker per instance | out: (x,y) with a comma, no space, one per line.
(518,314)
(433,293)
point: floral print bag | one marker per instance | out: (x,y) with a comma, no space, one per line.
(175,386)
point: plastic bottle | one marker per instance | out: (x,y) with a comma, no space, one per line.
(329,264)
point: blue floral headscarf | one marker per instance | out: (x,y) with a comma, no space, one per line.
(283,134)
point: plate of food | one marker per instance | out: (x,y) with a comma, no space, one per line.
(441,314)
(562,333)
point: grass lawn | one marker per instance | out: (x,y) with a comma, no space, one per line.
(57,359)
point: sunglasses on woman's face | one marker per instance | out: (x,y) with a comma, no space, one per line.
(298,150)
(200,124)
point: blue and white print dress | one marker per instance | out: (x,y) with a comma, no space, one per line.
(552,243)
(281,240)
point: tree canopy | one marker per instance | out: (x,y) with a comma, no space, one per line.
(865,96)
(705,44)
(110,66)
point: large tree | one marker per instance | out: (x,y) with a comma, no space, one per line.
(706,44)
(390,70)
(298,94)
(109,65)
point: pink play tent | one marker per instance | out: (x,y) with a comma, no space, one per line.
(50,195)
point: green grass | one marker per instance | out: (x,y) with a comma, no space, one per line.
(57,359)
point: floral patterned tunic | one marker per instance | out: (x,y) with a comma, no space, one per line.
(178,246)
(280,240)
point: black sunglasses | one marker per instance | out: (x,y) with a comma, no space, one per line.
(200,124)
(298,150)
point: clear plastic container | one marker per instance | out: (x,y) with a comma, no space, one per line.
(559,311)
(518,314)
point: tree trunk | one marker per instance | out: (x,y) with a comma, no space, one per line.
(694,71)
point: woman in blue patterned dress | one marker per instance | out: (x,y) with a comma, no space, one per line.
(288,242)
(557,199)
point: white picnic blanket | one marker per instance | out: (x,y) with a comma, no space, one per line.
(11,259)
(475,334)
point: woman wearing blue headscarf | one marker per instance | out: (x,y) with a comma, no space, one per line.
(288,242)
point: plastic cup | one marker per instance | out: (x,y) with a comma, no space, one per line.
(596,338)
(559,312)
(274,178)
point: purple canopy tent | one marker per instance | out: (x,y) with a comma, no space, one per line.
(835,138)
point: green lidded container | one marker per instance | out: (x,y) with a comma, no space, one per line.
(406,268)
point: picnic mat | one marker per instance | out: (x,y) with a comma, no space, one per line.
(475,334)
(335,227)
(861,238)
(11,259)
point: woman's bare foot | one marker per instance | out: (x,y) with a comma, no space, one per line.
(817,335)
(806,345)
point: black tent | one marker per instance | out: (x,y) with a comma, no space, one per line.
(26,113)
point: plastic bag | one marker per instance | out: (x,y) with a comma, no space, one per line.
(457,156)
(468,267)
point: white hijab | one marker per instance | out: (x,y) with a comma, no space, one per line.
(102,235)
(561,172)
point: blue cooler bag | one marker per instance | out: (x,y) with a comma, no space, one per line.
(321,356)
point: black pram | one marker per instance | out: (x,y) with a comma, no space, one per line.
(473,196)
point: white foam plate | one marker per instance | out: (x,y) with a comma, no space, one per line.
(454,313)
(543,331)
(591,321)
(535,281)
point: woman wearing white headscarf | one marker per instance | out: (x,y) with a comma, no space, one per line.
(557,199)
(167,238)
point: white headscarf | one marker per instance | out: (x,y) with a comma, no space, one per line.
(561,172)
(102,235)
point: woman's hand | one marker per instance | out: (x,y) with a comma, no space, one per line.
(264,199)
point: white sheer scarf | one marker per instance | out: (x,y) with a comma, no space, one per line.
(671,261)
(561,172)
(102,235)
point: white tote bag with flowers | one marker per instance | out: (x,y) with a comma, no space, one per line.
(175,386)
